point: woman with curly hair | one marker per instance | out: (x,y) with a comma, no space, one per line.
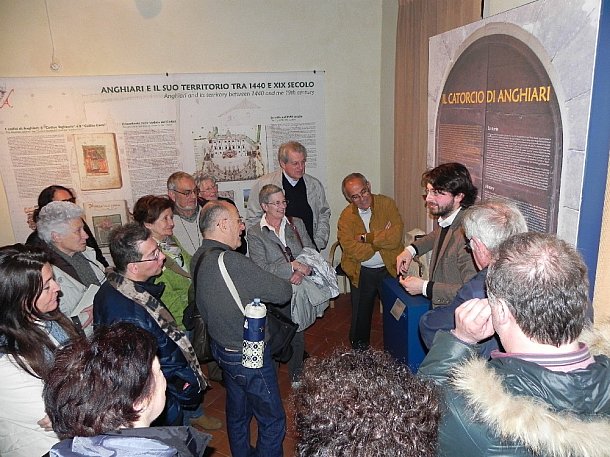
(364,404)
(31,328)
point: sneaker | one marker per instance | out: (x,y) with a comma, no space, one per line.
(206,422)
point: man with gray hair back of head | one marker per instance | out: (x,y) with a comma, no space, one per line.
(76,269)
(486,225)
(547,392)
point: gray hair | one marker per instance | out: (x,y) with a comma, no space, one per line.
(201,176)
(56,217)
(543,282)
(349,177)
(211,213)
(267,191)
(173,179)
(282,153)
(493,221)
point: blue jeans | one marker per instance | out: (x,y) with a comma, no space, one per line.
(189,414)
(252,392)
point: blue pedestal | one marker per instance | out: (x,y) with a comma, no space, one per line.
(401,337)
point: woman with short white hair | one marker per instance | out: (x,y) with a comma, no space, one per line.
(76,270)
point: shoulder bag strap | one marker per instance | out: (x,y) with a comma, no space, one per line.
(229,281)
(296,232)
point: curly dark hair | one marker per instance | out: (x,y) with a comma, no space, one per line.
(364,404)
(93,385)
(454,178)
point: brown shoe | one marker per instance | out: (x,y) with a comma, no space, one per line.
(206,422)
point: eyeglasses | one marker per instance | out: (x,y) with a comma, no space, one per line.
(279,204)
(469,245)
(363,193)
(188,193)
(156,254)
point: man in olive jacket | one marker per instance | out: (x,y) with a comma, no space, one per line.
(370,232)
(549,393)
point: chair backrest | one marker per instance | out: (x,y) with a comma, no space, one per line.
(421,264)
(336,264)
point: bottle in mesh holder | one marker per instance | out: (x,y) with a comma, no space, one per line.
(254,334)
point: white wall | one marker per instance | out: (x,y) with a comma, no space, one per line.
(114,37)
(388,66)
(492,7)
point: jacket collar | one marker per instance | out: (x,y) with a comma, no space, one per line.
(533,423)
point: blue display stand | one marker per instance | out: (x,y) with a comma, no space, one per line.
(401,337)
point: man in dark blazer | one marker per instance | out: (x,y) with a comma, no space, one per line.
(449,189)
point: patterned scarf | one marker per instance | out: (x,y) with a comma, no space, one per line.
(162,317)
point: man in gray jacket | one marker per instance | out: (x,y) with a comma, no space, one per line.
(549,392)
(250,392)
(305,194)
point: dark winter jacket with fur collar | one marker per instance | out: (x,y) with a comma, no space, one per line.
(511,407)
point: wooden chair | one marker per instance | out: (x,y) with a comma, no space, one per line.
(341,276)
(346,285)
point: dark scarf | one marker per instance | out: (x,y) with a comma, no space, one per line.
(162,317)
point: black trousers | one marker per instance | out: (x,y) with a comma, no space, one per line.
(363,302)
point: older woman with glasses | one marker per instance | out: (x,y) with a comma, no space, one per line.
(208,192)
(31,328)
(274,243)
(61,232)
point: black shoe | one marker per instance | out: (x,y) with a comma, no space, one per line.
(360,345)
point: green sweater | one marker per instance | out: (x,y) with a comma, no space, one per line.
(175,295)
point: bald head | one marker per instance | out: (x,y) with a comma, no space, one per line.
(220,221)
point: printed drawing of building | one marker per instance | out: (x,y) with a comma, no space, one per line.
(230,156)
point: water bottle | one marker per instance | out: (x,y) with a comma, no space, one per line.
(254,334)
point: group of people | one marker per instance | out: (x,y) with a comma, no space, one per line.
(518,367)
(513,367)
(60,288)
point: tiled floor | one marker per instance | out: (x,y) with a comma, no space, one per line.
(329,332)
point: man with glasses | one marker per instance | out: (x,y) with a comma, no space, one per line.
(305,194)
(250,392)
(486,225)
(129,296)
(370,232)
(449,189)
(183,191)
